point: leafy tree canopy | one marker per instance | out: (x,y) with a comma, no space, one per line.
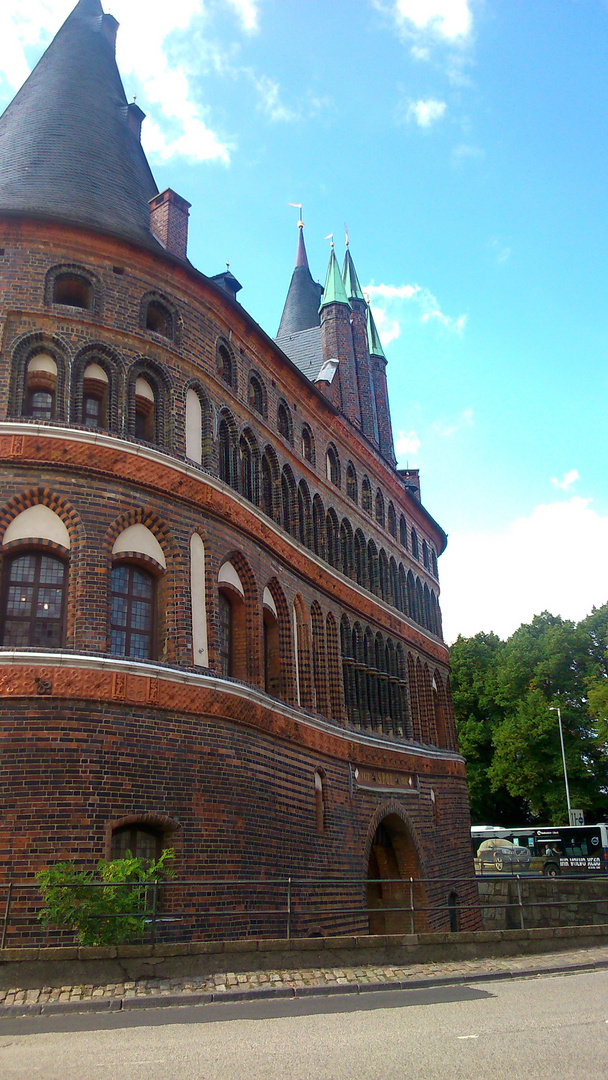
(504,692)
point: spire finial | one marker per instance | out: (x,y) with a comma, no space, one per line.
(298,206)
(346,234)
(330,236)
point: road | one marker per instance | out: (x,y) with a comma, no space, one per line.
(549,1028)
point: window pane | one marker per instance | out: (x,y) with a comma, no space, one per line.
(33,605)
(132,592)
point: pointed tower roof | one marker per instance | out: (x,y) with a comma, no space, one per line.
(350,279)
(69,141)
(373,337)
(301,309)
(334,291)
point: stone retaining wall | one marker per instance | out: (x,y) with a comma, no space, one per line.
(32,968)
(544,902)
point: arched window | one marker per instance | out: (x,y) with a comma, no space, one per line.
(403,532)
(347,559)
(319,802)
(94,397)
(425,555)
(434,568)
(34,601)
(272,651)
(366,495)
(304,515)
(145,411)
(198,426)
(227,450)
(415,547)
(318,527)
(73,290)
(308,444)
(139,840)
(132,592)
(257,397)
(288,500)
(373,572)
(232,636)
(159,319)
(225,364)
(332,463)
(392,520)
(268,485)
(360,558)
(40,387)
(379,508)
(383,575)
(332,546)
(284,421)
(250,467)
(351,482)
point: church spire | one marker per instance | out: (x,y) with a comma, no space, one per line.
(334,291)
(349,276)
(301,310)
(373,337)
(69,140)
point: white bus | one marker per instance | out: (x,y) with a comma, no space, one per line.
(548,850)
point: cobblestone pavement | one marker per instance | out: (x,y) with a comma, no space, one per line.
(230,985)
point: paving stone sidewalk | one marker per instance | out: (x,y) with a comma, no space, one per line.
(233,986)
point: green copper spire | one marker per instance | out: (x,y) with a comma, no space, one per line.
(334,291)
(373,338)
(349,276)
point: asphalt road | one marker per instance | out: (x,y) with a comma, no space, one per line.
(549,1028)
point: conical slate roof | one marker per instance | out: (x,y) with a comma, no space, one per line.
(349,276)
(334,291)
(69,141)
(373,337)
(301,309)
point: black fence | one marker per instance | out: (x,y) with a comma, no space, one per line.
(174,911)
(282,907)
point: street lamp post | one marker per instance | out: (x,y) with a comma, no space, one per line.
(556,708)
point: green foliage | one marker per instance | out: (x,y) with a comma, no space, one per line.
(503,692)
(105,906)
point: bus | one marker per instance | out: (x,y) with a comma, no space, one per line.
(548,850)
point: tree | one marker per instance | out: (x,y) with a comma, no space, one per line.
(503,694)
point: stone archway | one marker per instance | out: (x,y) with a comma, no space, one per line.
(394,878)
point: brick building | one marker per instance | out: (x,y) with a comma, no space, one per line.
(219,622)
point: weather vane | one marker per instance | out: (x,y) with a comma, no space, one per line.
(298,206)
(330,236)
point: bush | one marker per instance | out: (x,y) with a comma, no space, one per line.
(106,906)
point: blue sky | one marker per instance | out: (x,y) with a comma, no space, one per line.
(464,144)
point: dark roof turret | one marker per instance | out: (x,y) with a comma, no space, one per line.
(69,140)
(301,309)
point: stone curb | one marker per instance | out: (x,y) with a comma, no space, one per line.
(156,1001)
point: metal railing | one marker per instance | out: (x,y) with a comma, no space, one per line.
(285,907)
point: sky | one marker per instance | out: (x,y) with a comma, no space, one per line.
(464,144)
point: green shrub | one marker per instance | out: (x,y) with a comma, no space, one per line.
(105,906)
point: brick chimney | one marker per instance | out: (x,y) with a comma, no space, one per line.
(169,222)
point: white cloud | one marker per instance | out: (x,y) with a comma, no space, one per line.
(425,113)
(406,443)
(496,581)
(387,302)
(157,56)
(442,20)
(248,13)
(466,152)
(501,251)
(568,479)
(448,428)
(269,99)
